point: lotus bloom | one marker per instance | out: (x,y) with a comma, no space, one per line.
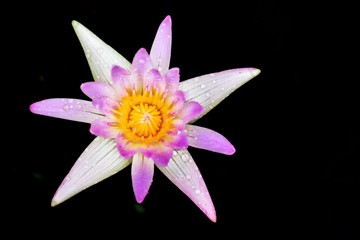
(141,113)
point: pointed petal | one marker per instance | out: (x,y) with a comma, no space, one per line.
(99,161)
(142,172)
(161,47)
(141,62)
(124,147)
(121,80)
(172,78)
(100,56)
(208,139)
(97,90)
(190,111)
(106,106)
(104,128)
(154,80)
(67,108)
(184,173)
(161,155)
(209,90)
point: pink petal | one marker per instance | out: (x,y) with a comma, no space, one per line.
(67,108)
(154,80)
(184,173)
(159,154)
(142,172)
(161,47)
(141,63)
(177,100)
(179,141)
(210,89)
(103,128)
(100,56)
(97,90)
(118,73)
(190,111)
(121,80)
(172,78)
(105,105)
(208,139)
(124,147)
(99,161)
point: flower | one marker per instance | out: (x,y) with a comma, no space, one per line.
(141,113)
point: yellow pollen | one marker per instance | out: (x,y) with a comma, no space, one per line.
(145,120)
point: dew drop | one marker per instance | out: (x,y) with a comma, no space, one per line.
(197,191)
(88,55)
(184,157)
(202,85)
(66,107)
(188,176)
(100,50)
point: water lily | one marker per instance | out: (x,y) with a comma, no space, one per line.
(143,115)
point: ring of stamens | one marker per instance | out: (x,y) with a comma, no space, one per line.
(144,118)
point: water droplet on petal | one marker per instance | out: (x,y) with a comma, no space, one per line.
(100,50)
(202,85)
(197,191)
(66,107)
(188,176)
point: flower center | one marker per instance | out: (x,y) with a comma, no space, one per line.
(145,120)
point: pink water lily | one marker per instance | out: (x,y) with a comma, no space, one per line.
(141,113)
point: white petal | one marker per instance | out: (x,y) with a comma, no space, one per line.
(99,161)
(100,56)
(209,90)
(184,173)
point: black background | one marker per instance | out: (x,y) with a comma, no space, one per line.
(295,126)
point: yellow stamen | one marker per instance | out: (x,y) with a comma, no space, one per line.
(145,117)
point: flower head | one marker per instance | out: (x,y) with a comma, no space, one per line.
(141,113)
